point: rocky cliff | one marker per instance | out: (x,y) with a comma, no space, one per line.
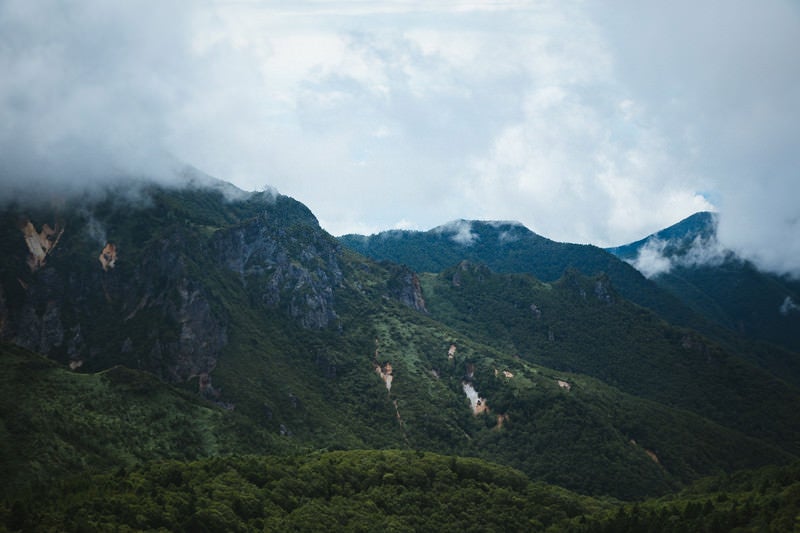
(150,313)
(295,269)
(118,281)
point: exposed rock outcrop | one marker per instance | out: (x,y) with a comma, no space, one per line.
(603,290)
(193,336)
(477,404)
(296,275)
(451,352)
(385,372)
(40,332)
(108,257)
(40,243)
(85,317)
(404,286)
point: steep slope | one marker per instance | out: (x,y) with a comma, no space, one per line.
(699,227)
(687,260)
(509,247)
(581,324)
(58,423)
(245,301)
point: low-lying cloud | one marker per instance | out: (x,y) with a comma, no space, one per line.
(659,256)
(85,90)
(788,306)
(586,124)
(459,231)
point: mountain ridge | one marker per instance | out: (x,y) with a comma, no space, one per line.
(687,260)
(247,303)
(510,247)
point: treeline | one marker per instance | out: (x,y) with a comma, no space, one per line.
(387,491)
(763,500)
(334,491)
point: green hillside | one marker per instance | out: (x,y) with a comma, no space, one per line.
(202,322)
(581,324)
(340,491)
(508,247)
(723,287)
(387,490)
(57,423)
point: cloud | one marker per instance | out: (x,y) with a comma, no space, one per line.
(716,80)
(788,306)
(94,93)
(651,261)
(659,256)
(459,231)
(83,90)
(585,123)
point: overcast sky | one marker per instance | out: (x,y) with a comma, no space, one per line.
(593,122)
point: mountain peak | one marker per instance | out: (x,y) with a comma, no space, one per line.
(467,232)
(701,225)
(690,242)
(688,260)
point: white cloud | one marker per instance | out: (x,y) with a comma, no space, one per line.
(717,80)
(404,225)
(586,123)
(459,231)
(650,260)
(788,306)
(658,256)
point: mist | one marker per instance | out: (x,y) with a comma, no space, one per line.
(586,123)
(87,94)
(654,258)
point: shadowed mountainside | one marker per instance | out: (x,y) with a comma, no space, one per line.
(261,322)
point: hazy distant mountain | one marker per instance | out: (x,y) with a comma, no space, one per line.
(687,260)
(208,322)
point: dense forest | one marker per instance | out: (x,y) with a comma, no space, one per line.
(203,359)
(387,491)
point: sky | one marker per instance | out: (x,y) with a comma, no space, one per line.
(592,122)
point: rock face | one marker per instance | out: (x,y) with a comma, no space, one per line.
(296,273)
(40,243)
(477,404)
(404,286)
(190,336)
(158,310)
(603,290)
(108,257)
(74,314)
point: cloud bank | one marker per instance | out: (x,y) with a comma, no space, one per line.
(84,91)
(585,122)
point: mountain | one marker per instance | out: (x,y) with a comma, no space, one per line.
(198,322)
(510,247)
(582,325)
(687,260)
(706,288)
(679,238)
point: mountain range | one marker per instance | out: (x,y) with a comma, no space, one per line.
(199,323)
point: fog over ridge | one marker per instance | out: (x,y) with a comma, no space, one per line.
(587,124)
